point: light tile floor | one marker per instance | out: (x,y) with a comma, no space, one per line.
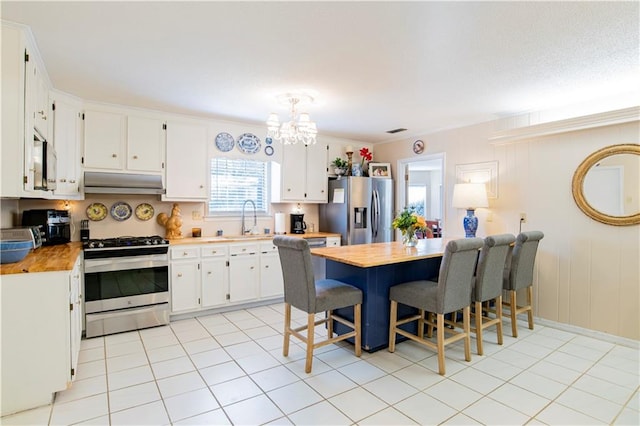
(228,369)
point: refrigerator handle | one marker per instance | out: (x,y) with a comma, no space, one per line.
(375,213)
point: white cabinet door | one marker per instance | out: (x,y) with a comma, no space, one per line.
(316,173)
(186,172)
(104,140)
(293,172)
(333,241)
(185,286)
(145,144)
(67,125)
(244,272)
(271,281)
(215,281)
(75,304)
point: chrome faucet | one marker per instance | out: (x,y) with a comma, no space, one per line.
(255,217)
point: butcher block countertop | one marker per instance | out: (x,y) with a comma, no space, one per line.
(378,254)
(245,238)
(60,257)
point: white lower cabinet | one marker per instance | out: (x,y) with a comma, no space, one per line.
(243,272)
(215,275)
(271,281)
(42,326)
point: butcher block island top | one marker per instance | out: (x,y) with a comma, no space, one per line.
(379,254)
(59,257)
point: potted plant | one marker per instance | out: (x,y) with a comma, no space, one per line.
(339,166)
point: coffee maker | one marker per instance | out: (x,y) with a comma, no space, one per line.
(297,223)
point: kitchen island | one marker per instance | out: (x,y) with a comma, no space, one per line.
(374,268)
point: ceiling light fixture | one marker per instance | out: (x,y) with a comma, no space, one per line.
(300,128)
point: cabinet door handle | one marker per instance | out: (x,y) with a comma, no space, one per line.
(266,266)
(114,155)
(72,181)
(185,254)
(135,157)
(63,180)
(209,273)
(251,268)
(179,274)
(201,186)
(44,117)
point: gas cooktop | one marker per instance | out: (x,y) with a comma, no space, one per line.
(123,242)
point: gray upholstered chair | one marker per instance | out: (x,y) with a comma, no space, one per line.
(488,284)
(519,275)
(302,291)
(451,293)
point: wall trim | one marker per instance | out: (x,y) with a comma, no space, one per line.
(514,135)
(599,335)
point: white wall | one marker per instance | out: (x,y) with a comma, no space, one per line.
(587,272)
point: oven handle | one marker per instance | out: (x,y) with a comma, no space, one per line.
(125,312)
(125,263)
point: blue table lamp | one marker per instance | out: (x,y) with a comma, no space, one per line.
(470,196)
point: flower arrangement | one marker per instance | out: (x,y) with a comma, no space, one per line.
(367,155)
(340,166)
(408,222)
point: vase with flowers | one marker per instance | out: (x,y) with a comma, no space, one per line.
(408,222)
(365,155)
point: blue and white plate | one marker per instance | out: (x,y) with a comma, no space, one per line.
(121,211)
(225,142)
(248,143)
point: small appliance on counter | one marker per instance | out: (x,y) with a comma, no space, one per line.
(24,233)
(55,225)
(297,223)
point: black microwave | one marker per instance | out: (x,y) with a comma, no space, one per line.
(44,163)
(54,225)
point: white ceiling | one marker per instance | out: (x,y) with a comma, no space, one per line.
(372,66)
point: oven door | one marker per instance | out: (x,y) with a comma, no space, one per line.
(125,282)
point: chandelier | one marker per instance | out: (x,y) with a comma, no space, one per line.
(299,128)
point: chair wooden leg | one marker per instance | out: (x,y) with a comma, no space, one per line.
(530,304)
(421,324)
(287,329)
(478,317)
(429,325)
(330,324)
(440,343)
(311,318)
(357,320)
(392,325)
(466,320)
(514,315)
(499,316)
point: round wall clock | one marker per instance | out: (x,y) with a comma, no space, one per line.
(418,147)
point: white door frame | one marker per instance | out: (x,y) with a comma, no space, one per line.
(401,181)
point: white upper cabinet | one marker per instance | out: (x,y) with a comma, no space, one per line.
(104,140)
(123,142)
(186,175)
(302,177)
(145,143)
(67,137)
(25,106)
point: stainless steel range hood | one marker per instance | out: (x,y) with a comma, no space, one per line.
(122,183)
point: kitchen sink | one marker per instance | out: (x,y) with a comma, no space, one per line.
(247,237)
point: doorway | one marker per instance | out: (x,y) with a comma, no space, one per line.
(422,186)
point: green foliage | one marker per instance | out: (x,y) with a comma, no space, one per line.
(339,163)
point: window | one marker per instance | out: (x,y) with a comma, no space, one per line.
(416,198)
(233,182)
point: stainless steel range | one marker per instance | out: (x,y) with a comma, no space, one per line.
(126,281)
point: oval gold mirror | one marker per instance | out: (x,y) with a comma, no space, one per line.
(606,185)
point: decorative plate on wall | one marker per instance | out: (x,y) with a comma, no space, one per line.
(225,142)
(144,211)
(418,147)
(97,211)
(121,211)
(248,143)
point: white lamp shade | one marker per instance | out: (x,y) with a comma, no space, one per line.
(470,196)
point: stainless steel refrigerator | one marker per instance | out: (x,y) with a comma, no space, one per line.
(360,209)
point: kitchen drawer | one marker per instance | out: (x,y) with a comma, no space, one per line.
(178,253)
(214,250)
(237,249)
(268,247)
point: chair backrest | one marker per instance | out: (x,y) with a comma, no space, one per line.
(456,274)
(523,257)
(491,264)
(297,271)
